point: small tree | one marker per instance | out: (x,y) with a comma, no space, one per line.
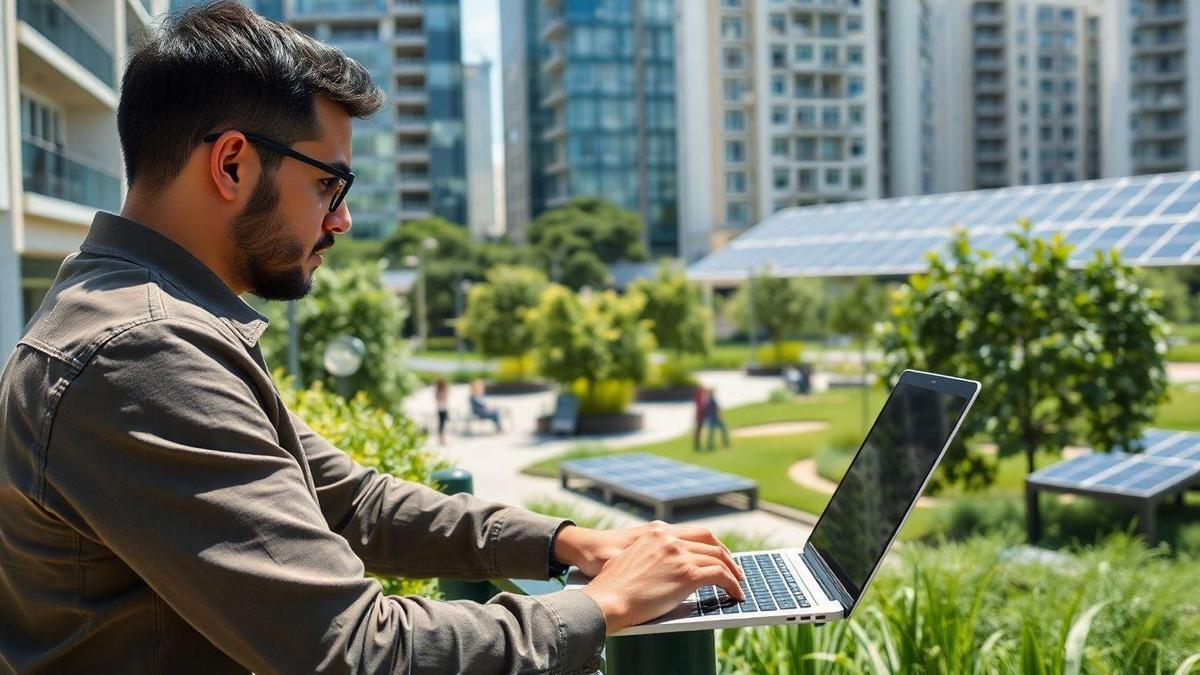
(1060,352)
(587,341)
(495,315)
(578,241)
(855,314)
(349,301)
(783,306)
(673,306)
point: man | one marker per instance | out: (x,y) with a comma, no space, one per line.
(162,511)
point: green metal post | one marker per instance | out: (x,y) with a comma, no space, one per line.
(452,482)
(692,653)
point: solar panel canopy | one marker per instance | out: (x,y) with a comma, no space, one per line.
(1170,459)
(656,478)
(1151,220)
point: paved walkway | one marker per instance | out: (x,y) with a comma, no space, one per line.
(496,460)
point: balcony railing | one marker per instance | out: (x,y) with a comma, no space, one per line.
(304,7)
(59,26)
(51,173)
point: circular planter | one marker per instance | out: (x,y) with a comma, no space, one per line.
(599,425)
(764,371)
(666,394)
(514,388)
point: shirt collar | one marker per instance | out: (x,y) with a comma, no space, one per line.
(118,237)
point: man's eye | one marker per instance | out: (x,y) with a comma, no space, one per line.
(331,183)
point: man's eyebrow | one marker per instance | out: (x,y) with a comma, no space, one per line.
(340,165)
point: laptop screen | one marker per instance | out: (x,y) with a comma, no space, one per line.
(884,480)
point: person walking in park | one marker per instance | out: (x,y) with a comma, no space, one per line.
(161,510)
(701,401)
(712,417)
(441,394)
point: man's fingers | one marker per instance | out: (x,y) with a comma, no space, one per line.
(719,553)
(718,575)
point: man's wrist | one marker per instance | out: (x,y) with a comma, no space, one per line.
(558,561)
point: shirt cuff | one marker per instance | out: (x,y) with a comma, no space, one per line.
(524,538)
(581,631)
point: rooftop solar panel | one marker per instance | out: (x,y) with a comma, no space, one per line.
(1150,219)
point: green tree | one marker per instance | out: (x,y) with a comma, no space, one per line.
(576,242)
(351,251)
(1172,286)
(855,314)
(349,301)
(782,306)
(496,309)
(455,258)
(674,307)
(1061,353)
(589,340)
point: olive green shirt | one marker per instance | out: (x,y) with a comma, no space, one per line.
(162,511)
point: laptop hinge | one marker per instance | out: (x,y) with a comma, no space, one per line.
(826,578)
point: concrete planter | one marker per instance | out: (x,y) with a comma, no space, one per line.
(666,394)
(599,425)
(514,388)
(764,371)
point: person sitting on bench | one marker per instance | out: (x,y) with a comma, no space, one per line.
(479,407)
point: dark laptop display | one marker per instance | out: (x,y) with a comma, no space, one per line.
(884,479)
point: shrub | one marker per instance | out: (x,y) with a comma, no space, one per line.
(515,368)
(670,373)
(606,397)
(779,353)
(372,437)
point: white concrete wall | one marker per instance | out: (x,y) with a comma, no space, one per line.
(695,81)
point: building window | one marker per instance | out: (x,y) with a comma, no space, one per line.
(804,53)
(806,116)
(779,114)
(41,121)
(778,56)
(833,177)
(829,55)
(736,214)
(779,147)
(857,147)
(806,179)
(731,28)
(778,85)
(854,87)
(829,26)
(831,149)
(735,120)
(831,117)
(806,149)
(735,182)
(731,4)
(855,114)
(733,58)
(735,151)
(777,23)
(732,89)
(780,179)
(856,179)
(854,56)
(854,24)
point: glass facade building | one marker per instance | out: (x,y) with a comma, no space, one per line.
(600,94)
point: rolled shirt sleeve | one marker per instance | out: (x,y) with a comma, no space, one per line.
(406,529)
(167,451)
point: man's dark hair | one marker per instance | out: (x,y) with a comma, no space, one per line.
(220,66)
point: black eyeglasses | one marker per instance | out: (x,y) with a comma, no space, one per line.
(345,177)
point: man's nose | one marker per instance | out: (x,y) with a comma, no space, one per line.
(338,222)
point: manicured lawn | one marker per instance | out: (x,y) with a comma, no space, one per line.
(766,459)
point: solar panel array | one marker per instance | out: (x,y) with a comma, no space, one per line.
(656,478)
(1151,220)
(1170,459)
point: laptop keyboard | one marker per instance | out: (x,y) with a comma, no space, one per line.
(768,586)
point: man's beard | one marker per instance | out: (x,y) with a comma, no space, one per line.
(271,261)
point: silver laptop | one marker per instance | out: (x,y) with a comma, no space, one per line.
(824,579)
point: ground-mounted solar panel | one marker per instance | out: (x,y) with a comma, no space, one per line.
(1163,463)
(664,484)
(1150,220)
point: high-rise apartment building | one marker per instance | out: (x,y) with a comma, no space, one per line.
(908,134)
(1020,93)
(410,159)
(1151,68)
(481,172)
(592,109)
(60,71)
(780,106)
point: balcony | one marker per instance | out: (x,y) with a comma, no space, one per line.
(61,27)
(408,37)
(311,8)
(554,59)
(554,132)
(1163,103)
(554,29)
(50,172)
(408,7)
(403,94)
(556,96)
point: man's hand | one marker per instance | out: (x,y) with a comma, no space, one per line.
(644,572)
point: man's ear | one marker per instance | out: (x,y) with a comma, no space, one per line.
(227,164)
